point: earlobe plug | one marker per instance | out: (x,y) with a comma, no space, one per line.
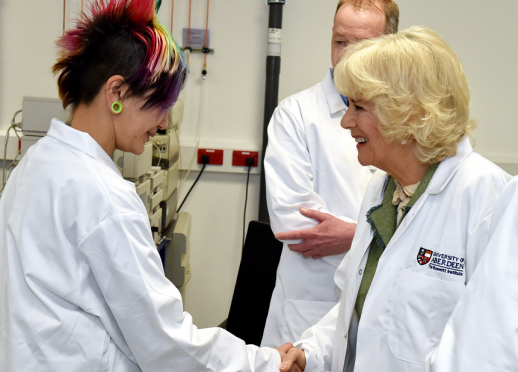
(116,107)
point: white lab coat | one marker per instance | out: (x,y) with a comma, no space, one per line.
(82,285)
(408,304)
(311,162)
(482,333)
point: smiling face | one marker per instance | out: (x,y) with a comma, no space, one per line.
(351,25)
(134,126)
(373,149)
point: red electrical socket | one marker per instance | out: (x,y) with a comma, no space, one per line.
(239,157)
(215,156)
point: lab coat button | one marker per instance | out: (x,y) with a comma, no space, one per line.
(345,336)
(360,272)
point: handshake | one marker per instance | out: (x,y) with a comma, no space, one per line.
(293,359)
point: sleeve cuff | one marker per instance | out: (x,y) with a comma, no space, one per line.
(276,356)
(314,361)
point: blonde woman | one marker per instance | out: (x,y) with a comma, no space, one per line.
(425,218)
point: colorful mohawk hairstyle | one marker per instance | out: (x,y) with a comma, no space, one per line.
(122,37)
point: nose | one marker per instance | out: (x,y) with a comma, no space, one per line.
(164,122)
(348,121)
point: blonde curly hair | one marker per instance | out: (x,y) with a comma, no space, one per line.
(418,88)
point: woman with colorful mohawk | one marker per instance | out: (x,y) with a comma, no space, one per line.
(81,284)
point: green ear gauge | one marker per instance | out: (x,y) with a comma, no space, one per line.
(116,107)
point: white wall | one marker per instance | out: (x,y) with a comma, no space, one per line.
(27,52)
(483,33)
(233,111)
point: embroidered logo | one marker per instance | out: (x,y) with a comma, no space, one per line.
(447,264)
(424,255)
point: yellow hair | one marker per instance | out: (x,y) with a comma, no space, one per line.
(418,88)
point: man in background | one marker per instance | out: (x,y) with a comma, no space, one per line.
(315,183)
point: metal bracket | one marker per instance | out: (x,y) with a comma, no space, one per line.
(268,2)
(189,50)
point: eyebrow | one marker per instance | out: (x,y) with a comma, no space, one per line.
(348,39)
(338,34)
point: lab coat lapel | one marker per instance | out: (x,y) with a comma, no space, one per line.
(356,258)
(349,294)
(342,275)
(359,255)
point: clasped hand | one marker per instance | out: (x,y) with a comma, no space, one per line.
(331,236)
(293,359)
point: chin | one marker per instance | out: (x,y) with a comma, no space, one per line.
(138,151)
(135,149)
(364,162)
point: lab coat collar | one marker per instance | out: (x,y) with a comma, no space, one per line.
(81,141)
(442,176)
(448,167)
(333,97)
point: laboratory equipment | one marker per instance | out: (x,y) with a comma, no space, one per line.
(37,115)
(176,265)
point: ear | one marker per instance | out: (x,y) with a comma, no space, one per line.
(114,90)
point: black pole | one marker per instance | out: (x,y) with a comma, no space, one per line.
(271,97)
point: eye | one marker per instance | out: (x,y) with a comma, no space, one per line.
(342,43)
(357,107)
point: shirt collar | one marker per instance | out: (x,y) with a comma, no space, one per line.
(334,99)
(403,194)
(344,98)
(81,141)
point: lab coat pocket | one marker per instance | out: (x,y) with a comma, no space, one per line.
(299,315)
(422,305)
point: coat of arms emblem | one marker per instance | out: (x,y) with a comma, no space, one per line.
(424,255)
